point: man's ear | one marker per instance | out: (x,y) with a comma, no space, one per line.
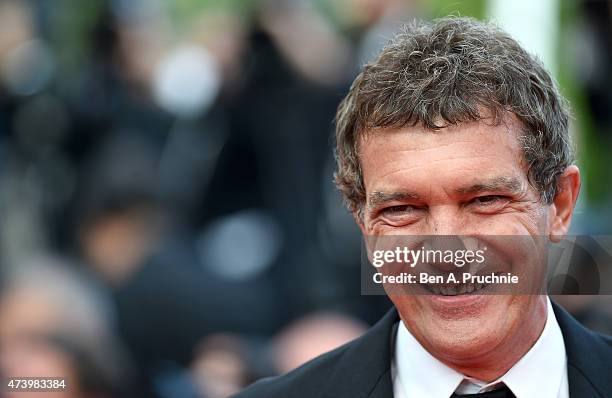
(564,202)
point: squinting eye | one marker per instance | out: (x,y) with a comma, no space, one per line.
(394,210)
(487,200)
(401,214)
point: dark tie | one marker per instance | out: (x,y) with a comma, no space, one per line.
(503,392)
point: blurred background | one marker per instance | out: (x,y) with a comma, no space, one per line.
(169,226)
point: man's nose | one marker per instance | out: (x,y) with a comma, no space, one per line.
(444,226)
(446,220)
(448,230)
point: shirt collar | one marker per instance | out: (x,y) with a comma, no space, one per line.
(539,373)
(420,374)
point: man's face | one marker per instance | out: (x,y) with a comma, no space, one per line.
(468,179)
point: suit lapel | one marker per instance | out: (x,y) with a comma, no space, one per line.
(589,359)
(365,369)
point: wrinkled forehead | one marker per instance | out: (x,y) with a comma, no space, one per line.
(448,156)
(491,129)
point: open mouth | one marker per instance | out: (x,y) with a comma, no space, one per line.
(455,289)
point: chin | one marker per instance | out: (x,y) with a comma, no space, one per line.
(461,331)
(465,344)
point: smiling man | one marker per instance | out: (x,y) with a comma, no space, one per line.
(454,130)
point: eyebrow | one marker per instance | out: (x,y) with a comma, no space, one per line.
(378,198)
(495,184)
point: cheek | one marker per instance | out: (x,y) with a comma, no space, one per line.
(413,313)
(532,221)
(378,228)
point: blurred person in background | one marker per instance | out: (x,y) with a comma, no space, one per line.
(53,323)
(224,362)
(311,336)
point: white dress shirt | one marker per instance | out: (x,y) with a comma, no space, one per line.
(541,372)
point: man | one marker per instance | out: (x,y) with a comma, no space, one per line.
(455,130)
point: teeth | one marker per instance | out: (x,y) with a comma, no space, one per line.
(454,290)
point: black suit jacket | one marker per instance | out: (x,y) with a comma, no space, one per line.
(362,368)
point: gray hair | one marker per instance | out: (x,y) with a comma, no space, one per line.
(446,72)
